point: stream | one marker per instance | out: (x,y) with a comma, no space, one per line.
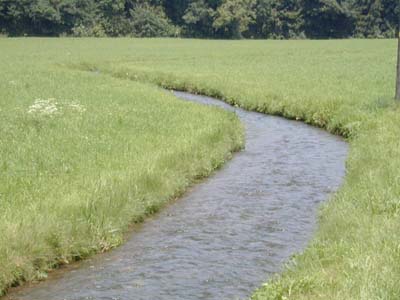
(229,233)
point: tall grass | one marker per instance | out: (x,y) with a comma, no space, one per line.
(344,86)
(83,155)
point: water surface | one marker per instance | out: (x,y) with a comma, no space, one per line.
(229,233)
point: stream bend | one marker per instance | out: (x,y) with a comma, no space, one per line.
(230,232)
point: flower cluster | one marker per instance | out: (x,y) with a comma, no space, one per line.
(44,107)
(51,107)
(77,107)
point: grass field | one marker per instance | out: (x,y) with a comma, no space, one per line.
(83,155)
(74,180)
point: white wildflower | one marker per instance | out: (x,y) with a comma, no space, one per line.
(43,107)
(51,107)
(77,107)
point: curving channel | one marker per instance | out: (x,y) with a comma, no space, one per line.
(229,233)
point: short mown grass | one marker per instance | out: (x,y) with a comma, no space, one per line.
(345,87)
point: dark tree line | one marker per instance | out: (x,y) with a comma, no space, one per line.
(279,19)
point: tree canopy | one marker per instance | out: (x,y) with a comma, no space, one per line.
(279,19)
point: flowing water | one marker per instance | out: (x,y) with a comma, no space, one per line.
(228,234)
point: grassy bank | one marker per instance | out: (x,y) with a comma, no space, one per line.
(343,86)
(83,155)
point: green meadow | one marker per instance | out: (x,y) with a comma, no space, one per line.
(90,144)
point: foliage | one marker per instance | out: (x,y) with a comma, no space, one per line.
(198,18)
(94,30)
(150,21)
(277,19)
(233,17)
(202,18)
(327,18)
(378,19)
